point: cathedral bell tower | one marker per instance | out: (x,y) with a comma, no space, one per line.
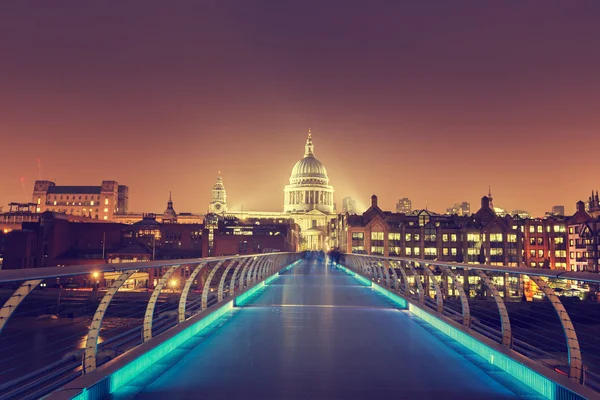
(218,204)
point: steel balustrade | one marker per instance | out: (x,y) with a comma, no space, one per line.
(364,265)
(254,269)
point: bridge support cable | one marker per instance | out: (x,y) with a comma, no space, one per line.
(206,287)
(242,265)
(261,265)
(404,277)
(10,306)
(418,282)
(267,267)
(379,268)
(361,266)
(394,277)
(186,290)
(221,289)
(91,342)
(149,315)
(244,276)
(573,350)
(253,273)
(507,338)
(376,271)
(439,297)
(384,267)
(464,300)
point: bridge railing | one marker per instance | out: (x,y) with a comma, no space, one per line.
(549,316)
(59,323)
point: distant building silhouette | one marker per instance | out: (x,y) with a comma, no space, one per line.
(558,210)
(404,205)
(463,208)
(349,205)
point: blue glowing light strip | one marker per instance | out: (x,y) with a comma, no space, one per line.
(537,382)
(120,377)
(541,384)
(393,297)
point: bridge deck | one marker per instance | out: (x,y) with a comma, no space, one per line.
(316,333)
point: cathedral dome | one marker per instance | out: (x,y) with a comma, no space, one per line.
(309,185)
(309,168)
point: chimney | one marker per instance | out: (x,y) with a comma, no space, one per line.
(580,206)
(485,202)
(373,201)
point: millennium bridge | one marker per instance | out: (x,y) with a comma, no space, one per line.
(298,326)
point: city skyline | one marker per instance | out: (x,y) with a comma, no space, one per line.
(433,110)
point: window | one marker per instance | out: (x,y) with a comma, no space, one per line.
(430,251)
(358,235)
(531,228)
(376,235)
(532,253)
(495,237)
(408,237)
(445,237)
(473,237)
(453,237)
(376,249)
(571,242)
(572,254)
(495,251)
(106,210)
(408,251)
(560,253)
(453,251)
(540,241)
(445,251)
(416,251)
(540,253)
(393,236)
(105,202)
(105,217)
(559,240)
(416,237)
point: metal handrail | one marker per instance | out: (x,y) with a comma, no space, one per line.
(89,356)
(426,283)
(74,270)
(549,273)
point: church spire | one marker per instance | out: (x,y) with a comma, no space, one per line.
(309,148)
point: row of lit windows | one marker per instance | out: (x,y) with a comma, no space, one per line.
(555,228)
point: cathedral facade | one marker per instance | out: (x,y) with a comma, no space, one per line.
(308,200)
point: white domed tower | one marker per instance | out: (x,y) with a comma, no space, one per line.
(218,204)
(309,185)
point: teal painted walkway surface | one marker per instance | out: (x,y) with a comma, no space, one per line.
(316,333)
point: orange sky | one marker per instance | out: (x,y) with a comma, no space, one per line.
(433,103)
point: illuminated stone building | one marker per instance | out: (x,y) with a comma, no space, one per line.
(97,202)
(308,201)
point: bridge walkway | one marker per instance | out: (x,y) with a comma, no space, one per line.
(317,333)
